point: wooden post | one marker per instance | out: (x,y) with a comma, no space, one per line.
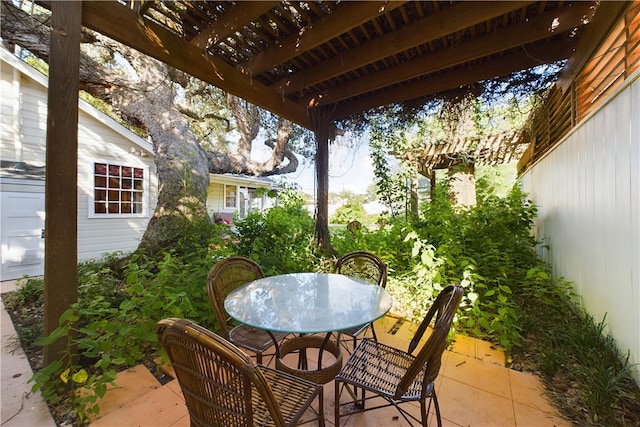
(414,202)
(432,185)
(463,183)
(61,201)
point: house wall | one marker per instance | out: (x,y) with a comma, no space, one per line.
(588,194)
(98,235)
(31,122)
(215,201)
(244,203)
(99,139)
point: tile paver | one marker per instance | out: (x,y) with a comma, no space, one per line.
(484,376)
(130,385)
(160,407)
(474,389)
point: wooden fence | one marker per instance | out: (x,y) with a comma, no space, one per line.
(617,58)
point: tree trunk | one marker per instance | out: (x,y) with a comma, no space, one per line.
(147,100)
(322,130)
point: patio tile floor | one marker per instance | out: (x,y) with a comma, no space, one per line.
(474,389)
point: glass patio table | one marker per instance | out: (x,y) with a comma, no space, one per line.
(306,304)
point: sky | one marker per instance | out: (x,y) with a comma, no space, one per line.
(350,169)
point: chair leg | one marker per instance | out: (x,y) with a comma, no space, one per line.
(321,407)
(437,407)
(336,406)
(425,409)
(373,331)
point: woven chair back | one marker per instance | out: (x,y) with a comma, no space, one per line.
(428,360)
(225,276)
(363,265)
(221,385)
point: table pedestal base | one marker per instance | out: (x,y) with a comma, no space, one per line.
(322,375)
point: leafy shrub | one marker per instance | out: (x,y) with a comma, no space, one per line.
(348,213)
(280,238)
(387,241)
(112,326)
(28,291)
(489,246)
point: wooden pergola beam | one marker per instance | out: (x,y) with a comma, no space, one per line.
(126,26)
(348,15)
(490,44)
(238,16)
(450,20)
(506,64)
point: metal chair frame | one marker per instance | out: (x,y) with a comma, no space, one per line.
(398,376)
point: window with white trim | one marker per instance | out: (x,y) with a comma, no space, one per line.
(230,196)
(118,190)
(255,201)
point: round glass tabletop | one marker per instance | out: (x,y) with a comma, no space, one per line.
(307,303)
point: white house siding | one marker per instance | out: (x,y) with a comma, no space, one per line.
(32,118)
(33,121)
(215,199)
(588,194)
(99,143)
(216,195)
(99,139)
(6,111)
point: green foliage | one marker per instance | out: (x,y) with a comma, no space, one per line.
(422,284)
(488,245)
(387,241)
(280,238)
(349,212)
(510,296)
(497,180)
(28,291)
(65,377)
(113,324)
(391,186)
(351,208)
(580,350)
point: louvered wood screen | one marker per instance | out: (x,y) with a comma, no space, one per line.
(615,60)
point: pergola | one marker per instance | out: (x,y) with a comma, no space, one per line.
(312,62)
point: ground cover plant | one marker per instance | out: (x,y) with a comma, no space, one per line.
(511,299)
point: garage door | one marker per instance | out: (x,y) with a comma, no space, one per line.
(22,251)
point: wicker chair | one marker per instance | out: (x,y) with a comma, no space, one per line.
(367,266)
(222,386)
(225,276)
(398,376)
